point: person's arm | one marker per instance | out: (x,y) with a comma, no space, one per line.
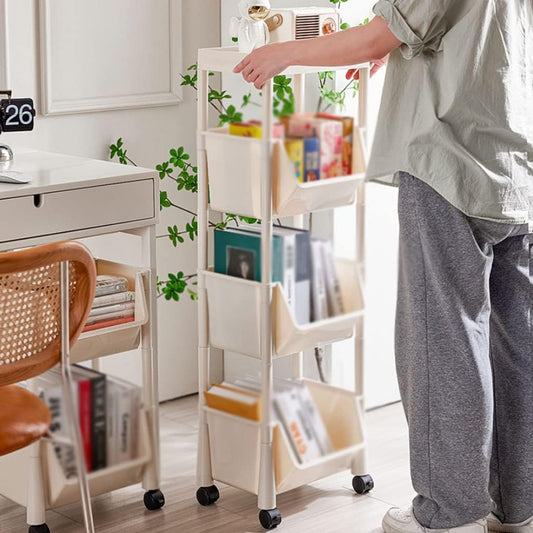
(349,47)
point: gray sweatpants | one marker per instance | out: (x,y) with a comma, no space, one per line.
(464,356)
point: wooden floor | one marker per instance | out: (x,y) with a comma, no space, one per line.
(327,506)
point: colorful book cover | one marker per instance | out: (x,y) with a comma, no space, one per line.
(311,159)
(108,323)
(238,253)
(295,151)
(347,140)
(329,133)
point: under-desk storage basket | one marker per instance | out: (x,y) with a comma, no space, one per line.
(60,490)
(234,173)
(122,337)
(235,444)
(234,307)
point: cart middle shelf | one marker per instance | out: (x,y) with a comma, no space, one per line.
(234,310)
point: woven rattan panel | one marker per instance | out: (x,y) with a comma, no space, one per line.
(30,311)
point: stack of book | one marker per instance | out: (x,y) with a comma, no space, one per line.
(294,409)
(108,412)
(319,145)
(113,303)
(304,265)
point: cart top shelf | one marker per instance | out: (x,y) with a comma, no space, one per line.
(224,59)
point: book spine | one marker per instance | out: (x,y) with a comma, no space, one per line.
(333,288)
(289,270)
(111,316)
(114,308)
(302,284)
(111,287)
(318,289)
(111,423)
(99,444)
(124,433)
(295,151)
(108,323)
(84,414)
(311,159)
(111,299)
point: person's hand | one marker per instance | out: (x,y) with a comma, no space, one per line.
(376,65)
(263,64)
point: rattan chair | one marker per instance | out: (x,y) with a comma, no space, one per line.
(45,292)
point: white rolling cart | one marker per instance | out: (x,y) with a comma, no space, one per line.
(75,198)
(255,178)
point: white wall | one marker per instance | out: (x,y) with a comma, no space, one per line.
(148,132)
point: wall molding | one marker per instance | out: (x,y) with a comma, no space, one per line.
(4,47)
(52,105)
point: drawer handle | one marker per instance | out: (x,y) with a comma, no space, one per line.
(37,200)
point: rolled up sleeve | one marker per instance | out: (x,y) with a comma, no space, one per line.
(419,24)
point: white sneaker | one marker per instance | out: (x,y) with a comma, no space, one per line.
(403,521)
(494,524)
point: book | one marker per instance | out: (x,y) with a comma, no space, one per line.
(238,253)
(295,150)
(311,159)
(114,308)
(318,286)
(92,415)
(231,400)
(108,323)
(301,301)
(126,313)
(288,282)
(331,279)
(347,140)
(329,134)
(106,284)
(115,298)
(253,128)
(296,425)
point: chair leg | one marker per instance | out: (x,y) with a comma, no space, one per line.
(35,504)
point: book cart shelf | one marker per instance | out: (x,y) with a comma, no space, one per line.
(255,178)
(33,476)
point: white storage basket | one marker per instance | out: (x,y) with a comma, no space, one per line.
(235,444)
(234,307)
(61,491)
(122,337)
(234,173)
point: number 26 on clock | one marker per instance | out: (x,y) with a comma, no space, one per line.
(16,114)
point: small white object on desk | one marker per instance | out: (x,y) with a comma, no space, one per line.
(14,176)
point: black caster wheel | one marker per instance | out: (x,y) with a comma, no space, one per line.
(362,484)
(154,499)
(207,495)
(270,518)
(43,528)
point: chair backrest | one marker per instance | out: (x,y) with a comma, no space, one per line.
(30,306)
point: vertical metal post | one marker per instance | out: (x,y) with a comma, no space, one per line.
(203,470)
(360,238)
(267,487)
(152,474)
(298,221)
(72,415)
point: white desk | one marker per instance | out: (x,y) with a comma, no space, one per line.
(72,198)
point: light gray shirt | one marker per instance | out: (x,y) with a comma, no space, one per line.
(457,107)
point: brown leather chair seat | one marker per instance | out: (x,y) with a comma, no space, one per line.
(24,418)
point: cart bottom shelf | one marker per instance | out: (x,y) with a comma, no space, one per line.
(14,473)
(235,444)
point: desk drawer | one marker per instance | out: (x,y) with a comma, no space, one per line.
(76,209)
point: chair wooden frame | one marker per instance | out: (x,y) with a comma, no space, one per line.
(74,310)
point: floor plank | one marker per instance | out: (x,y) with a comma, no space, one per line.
(329,505)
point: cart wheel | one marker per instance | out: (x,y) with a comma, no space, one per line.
(362,484)
(43,528)
(154,499)
(270,518)
(207,495)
